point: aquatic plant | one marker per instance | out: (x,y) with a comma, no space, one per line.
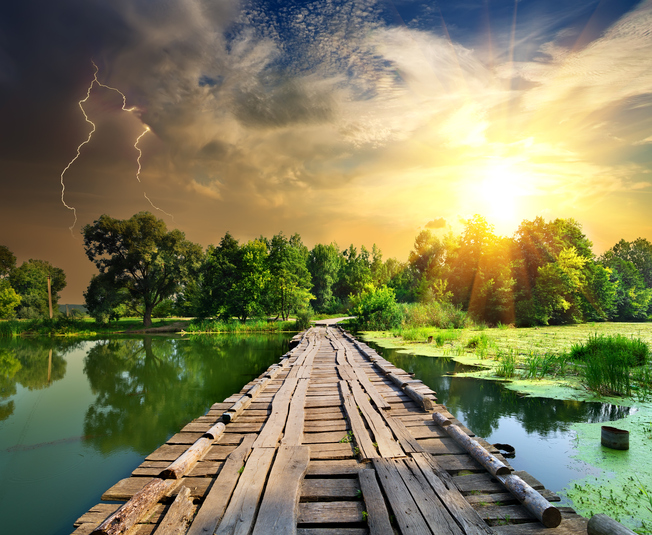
(507,366)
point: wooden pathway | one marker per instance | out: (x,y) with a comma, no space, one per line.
(332,440)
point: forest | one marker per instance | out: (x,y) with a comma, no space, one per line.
(545,274)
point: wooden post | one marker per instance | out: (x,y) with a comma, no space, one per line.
(50,366)
(50,294)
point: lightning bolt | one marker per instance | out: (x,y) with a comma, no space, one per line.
(95,81)
(140,154)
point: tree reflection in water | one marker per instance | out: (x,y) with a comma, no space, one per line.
(31,363)
(148,388)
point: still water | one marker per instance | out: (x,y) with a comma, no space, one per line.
(78,415)
(538,428)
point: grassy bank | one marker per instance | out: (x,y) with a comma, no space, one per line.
(88,327)
(250,326)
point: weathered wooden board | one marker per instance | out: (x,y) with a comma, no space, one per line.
(377,515)
(279,508)
(360,433)
(239,515)
(329,489)
(330,512)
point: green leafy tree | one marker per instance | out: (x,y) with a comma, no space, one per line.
(9,300)
(7,261)
(632,299)
(140,255)
(218,274)
(289,282)
(639,253)
(558,287)
(324,263)
(245,297)
(354,275)
(105,302)
(30,281)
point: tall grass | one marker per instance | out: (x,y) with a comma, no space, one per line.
(441,315)
(609,361)
(250,326)
(507,363)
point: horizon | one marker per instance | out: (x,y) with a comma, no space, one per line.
(350,122)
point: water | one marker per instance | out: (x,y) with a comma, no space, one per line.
(76,416)
(538,428)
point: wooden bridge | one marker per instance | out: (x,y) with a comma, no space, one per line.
(331,440)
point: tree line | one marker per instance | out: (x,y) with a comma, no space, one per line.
(545,274)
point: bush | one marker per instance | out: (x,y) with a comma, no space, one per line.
(435,314)
(376,309)
(303,319)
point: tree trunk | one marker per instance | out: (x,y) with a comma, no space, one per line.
(147,316)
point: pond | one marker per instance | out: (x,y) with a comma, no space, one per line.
(78,415)
(538,428)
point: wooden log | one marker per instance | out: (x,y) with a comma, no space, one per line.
(136,508)
(178,516)
(493,465)
(603,525)
(536,504)
(419,398)
(236,409)
(195,452)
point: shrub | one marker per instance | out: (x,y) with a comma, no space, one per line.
(376,309)
(303,319)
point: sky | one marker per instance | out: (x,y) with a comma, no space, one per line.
(356,121)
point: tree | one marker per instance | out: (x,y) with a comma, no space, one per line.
(7,261)
(30,281)
(376,309)
(9,299)
(324,262)
(355,273)
(639,253)
(290,282)
(245,297)
(104,302)
(141,256)
(218,274)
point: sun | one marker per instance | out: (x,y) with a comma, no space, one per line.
(500,189)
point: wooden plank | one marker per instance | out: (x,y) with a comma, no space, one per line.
(97,513)
(271,433)
(339,450)
(362,439)
(405,438)
(434,513)
(178,517)
(387,446)
(279,509)
(368,386)
(377,515)
(214,505)
(335,467)
(239,515)
(330,512)
(406,511)
(315,490)
(332,531)
(321,438)
(294,427)
(444,486)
